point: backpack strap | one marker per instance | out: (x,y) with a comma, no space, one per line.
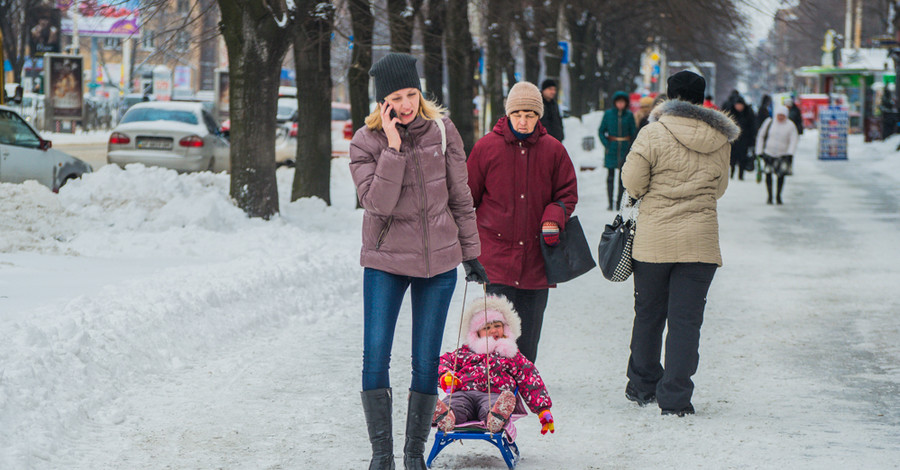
(440,123)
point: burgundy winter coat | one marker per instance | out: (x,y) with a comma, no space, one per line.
(506,374)
(515,185)
(418,217)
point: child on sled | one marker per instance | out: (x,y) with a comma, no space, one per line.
(491,337)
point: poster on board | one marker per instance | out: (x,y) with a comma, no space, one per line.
(64,76)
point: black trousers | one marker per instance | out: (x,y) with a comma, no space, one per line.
(673,293)
(530,305)
(611,186)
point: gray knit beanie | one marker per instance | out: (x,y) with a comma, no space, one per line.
(393,72)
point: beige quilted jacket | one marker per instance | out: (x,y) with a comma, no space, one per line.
(678,167)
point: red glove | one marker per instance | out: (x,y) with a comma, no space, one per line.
(449,383)
(546,422)
(550,231)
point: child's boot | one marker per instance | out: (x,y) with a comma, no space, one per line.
(500,412)
(443,417)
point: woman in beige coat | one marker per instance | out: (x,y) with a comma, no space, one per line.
(678,167)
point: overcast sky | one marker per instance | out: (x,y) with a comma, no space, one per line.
(761,14)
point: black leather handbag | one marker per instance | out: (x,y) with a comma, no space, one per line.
(571,257)
(614,252)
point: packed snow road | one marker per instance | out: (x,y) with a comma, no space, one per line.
(145,323)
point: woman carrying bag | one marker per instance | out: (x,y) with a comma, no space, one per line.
(524,187)
(678,167)
(776,143)
(419,224)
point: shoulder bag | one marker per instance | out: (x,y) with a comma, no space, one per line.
(571,257)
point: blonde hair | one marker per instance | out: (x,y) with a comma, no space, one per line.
(428,109)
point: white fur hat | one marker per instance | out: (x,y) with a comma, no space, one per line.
(492,308)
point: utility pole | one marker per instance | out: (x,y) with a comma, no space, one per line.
(848,25)
(857,42)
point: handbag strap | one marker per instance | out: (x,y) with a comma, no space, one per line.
(563,208)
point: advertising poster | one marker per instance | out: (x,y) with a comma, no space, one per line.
(101,18)
(64,76)
(222,94)
(834,125)
(43,21)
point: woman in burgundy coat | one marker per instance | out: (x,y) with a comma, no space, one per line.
(518,175)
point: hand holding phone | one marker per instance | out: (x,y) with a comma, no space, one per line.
(389,122)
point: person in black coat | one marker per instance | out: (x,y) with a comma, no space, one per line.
(746,119)
(765,111)
(794,115)
(552,119)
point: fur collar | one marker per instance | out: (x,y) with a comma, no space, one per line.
(714,118)
(505,347)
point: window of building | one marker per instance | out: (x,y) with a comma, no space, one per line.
(183,6)
(112,43)
(148,39)
(182,41)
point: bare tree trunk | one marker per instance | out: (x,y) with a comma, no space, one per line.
(401,17)
(552,52)
(531,36)
(497,56)
(358,75)
(312,58)
(433,33)
(461,61)
(256,46)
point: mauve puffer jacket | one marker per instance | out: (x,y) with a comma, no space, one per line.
(419,219)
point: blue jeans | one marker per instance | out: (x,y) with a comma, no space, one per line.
(382,295)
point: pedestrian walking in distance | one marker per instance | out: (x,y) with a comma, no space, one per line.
(417,227)
(552,119)
(617,130)
(743,115)
(777,142)
(524,188)
(678,167)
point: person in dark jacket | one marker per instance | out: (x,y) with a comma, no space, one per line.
(617,131)
(794,114)
(745,118)
(764,111)
(524,187)
(552,119)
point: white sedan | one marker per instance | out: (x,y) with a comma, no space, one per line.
(24,155)
(178,135)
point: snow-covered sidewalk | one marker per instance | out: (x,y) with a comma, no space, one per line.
(146,323)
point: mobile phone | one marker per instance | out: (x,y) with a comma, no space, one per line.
(393,114)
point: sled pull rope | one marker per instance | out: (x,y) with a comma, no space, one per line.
(458,336)
(487,352)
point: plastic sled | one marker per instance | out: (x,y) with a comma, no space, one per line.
(476,430)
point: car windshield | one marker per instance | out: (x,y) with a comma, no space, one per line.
(159,114)
(285,110)
(340,114)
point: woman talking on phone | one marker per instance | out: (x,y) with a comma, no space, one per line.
(409,168)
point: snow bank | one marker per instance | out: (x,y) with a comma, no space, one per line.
(225,277)
(579,129)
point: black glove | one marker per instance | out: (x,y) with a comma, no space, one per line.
(475,272)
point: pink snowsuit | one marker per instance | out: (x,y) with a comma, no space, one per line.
(508,367)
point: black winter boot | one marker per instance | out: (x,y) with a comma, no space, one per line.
(418,426)
(769,188)
(377,407)
(780,187)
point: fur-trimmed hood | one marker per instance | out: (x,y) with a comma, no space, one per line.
(700,129)
(497,308)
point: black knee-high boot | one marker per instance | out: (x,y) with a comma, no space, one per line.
(377,408)
(780,187)
(418,425)
(610,186)
(769,187)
